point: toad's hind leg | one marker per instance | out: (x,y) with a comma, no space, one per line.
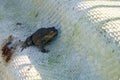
(42,49)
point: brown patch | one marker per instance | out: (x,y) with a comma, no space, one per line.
(6,50)
(6,53)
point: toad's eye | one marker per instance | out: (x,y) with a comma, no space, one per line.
(51,32)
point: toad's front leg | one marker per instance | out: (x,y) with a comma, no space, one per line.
(42,49)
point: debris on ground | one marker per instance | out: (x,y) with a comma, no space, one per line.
(9,46)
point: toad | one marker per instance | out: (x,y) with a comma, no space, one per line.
(40,38)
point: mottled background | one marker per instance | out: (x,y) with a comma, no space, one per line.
(86,48)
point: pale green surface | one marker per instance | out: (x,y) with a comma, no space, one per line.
(80,52)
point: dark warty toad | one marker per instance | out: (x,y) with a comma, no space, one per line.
(40,38)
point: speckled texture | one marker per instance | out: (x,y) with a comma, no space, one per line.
(87,46)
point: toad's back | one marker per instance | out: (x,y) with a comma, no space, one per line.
(43,35)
